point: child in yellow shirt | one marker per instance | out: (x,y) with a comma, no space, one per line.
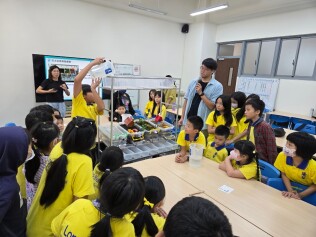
(67,177)
(216,150)
(120,193)
(191,134)
(222,115)
(150,102)
(242,162)
(145,220)
(296,164)
(158,108)
(112,158)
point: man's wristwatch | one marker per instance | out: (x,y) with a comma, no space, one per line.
(201,94)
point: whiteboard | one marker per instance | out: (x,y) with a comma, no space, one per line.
(266,88)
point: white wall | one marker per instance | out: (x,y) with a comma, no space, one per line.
(199,44)
(72,28)
(294,96)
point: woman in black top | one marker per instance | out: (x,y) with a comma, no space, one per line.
(54,88)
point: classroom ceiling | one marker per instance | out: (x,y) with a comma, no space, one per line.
(179,10)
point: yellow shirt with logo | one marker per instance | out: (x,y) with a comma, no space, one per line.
(80,108)
(220,120)
(78,218)
(217,154)
(249,171)
(304,174)
(79,183)
(97,175)
(159,221)
(183,140)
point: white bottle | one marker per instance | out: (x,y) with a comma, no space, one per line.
(103,70)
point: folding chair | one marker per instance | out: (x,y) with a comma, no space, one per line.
(301,127)
(294,121)
(279,121)
(277,183)
(268,171)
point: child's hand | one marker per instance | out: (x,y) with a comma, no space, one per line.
(95,83)
(98,61)
(292,194)
(161,212)
(181,158)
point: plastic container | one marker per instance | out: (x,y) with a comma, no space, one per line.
(153,150)
(163,125)
(145,150)
(161,146)
(103,70)
(196,154)
(119,134)
(128,154)
(138,153)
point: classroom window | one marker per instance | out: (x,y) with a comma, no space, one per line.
(230,50)
(287,57)
(251,58)
(306,58)
(266,57)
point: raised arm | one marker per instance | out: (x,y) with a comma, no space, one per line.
(83,73)
(97,99)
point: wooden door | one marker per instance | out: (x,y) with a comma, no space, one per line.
(226,73)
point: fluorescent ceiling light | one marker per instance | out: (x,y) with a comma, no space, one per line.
(147,9)
(210,9)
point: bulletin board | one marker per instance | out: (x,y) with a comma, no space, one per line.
(266,88)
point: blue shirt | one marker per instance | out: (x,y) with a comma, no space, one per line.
(212,90)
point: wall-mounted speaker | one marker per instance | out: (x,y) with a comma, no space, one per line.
(185,28)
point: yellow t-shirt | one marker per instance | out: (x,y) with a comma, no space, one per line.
(183,140)
(20,178)
(97,174)
(78,218)
(249,171)
(304,174)
(170,94)
(80,108)
(217,154)
(220,120)
(79,183)
(148,108)
(159,221)
(235,111)
(150,112)
(241,126)
(252,134)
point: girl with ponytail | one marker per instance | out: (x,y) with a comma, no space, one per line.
(242,162)
(112,158)
(44,137)
(67,177)
(145,221)
(120,193)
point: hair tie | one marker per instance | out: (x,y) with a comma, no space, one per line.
(108,214)
(108,170)
(76,126)
(147,203)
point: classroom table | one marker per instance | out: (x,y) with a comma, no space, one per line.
(290,115)
(175,111)
(255,202)
(177,188)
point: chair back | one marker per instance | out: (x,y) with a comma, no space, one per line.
(268,171)
(294,121)
(277,183)
(278,121)
(301,127)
